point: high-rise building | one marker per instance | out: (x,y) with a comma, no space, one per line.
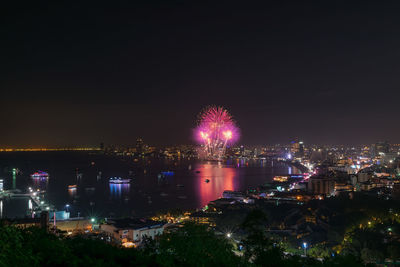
(297,148)
(301,149)
(321,185)
(242,150)
(294,146)
(382,147)
(139,145)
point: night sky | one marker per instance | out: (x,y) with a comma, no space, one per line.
(84,74)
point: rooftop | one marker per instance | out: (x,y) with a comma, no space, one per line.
(134,223)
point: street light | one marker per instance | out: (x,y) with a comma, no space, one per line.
(228,235)
(305,248)
(67,206)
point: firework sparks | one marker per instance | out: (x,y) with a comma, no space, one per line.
(216,130)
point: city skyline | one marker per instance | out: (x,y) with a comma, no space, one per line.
(91,74)
(177,133)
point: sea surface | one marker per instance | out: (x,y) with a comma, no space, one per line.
(147,194)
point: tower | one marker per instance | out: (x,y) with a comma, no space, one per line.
(139,145)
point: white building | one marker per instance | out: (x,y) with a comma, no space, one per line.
(132,230)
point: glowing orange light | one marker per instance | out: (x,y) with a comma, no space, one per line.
(227,135)
(204,135)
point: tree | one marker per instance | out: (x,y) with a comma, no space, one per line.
(195,245)
(260,249)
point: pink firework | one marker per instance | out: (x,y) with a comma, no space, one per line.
(216,130)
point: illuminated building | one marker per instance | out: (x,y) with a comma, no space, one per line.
(343,187)
(201,217)
(297,148)
(365,176)
(139,146)
(74,226)
(132,230)
(42,221)
(301,149)
(380,148)
(321,185)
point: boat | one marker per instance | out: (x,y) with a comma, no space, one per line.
(163,194)
(182,197)
(167,173)
(40,175)
(197,171)
(119,180)
(179,185)
(72,186)
(280,178)
(207,181)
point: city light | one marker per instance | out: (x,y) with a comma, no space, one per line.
(305,248)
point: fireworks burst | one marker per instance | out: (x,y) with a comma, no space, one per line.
(216,130)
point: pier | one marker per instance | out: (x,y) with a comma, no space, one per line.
(8,194)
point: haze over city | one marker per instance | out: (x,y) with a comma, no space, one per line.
(90,73)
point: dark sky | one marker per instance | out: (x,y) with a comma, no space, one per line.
(83,74)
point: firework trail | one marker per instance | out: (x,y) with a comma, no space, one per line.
(216,129)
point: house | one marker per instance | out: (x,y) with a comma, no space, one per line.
(42,221)
(132,231)
(201,217)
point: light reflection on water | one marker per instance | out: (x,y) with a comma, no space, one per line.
(186,189)
(72,192)
(40,183)
(119,190)
(220,179)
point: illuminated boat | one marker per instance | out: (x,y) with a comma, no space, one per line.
(72,186)
(40,175)
(167,173)
(280,178)
(119,180)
